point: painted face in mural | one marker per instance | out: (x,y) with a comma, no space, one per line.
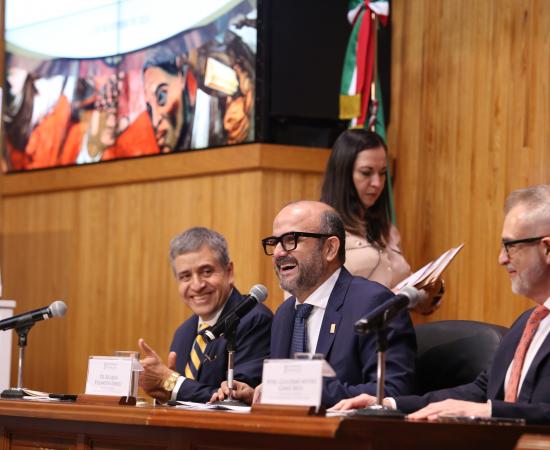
(163,94)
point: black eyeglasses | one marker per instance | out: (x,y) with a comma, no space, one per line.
(289,240)
(511,245)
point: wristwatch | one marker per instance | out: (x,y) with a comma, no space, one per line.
(170,383)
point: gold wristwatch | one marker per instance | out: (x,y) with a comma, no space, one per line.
(170,383)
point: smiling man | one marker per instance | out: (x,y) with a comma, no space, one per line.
(308,251)
(516,385)
(204,274)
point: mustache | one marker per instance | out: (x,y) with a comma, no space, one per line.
(282,260)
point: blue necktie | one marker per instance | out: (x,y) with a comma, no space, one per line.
(299,334)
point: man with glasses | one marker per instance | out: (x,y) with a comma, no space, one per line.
(517,384)
(308,251)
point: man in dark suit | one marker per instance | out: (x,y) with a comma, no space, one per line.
(195,369)
(517,385)
(308,249)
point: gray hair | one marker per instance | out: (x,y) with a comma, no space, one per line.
(331,223)
(193,239)
(536,198)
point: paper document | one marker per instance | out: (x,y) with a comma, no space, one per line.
(211,407)
(430,272)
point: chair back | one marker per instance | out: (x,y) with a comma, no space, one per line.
(454,352)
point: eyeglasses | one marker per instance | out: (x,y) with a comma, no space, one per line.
(510,246)
(289,240)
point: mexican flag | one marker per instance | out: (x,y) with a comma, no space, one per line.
(360,92)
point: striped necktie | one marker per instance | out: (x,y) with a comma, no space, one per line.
(299,334)
(539,313)
(196,356)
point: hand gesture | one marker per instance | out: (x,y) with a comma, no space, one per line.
(155,371)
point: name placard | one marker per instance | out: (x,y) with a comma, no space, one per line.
(110,375)
(292,382)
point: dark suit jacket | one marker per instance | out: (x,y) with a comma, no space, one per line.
(252,346)
(533,402)
(353,357)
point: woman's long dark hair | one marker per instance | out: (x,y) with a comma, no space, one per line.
(339,190)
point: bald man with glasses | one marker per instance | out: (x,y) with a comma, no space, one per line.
(308,252)
(517,385)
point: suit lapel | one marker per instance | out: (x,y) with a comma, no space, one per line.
(529,382)
(188,339)
(280,340)
(212,348)
(503,359)
(332,317)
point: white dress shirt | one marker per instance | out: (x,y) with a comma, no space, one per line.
(319,299)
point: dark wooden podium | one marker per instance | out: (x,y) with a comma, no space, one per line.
(31,424)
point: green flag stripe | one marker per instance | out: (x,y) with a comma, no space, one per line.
(350,59)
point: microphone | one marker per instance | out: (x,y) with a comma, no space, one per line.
(408,297)
(56,309)
(257,294)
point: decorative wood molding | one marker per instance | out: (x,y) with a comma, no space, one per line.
(236,158)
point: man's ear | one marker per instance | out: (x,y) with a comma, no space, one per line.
(332,247)
(546,249)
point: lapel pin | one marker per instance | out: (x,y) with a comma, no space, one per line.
(332,328)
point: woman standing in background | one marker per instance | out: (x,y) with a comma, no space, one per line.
(356,185)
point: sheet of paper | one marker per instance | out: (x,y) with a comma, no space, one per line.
(430,272)
(41,398)
(109,375)
(32,393)
(292,382)
(212,407)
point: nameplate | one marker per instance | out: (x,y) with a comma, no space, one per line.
(109,375)
(292,382)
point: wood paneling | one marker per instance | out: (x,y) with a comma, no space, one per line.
(103,245)
(470,113)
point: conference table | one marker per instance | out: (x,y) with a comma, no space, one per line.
(33,424)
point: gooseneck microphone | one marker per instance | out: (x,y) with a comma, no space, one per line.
(408,297)
(257,294)
(56,309)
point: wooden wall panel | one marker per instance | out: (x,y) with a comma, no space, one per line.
(470,113)
(104,249)
(470,108)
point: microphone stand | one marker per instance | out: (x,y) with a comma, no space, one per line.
(230,335)
(378,409)
(18,392)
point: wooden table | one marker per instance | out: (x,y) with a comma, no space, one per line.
(31,424)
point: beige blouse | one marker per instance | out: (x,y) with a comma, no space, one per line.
(387,265)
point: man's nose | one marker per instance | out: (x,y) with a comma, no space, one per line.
(503,258)
(279,251)
(197,282)
(155,115)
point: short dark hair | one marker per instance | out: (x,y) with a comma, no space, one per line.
(194,238)
(163,58)
(331,223)
(339,190)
